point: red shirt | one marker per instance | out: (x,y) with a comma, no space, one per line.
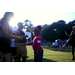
(36,43)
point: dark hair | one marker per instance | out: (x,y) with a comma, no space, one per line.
(7,14)
(39,27)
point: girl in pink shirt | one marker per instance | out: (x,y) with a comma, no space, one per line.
(36,43)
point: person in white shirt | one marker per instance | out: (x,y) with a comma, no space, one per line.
(13,48)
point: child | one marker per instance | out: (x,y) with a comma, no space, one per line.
(64,46)
(61,47)
(13,50)
(49,44)
(36,43)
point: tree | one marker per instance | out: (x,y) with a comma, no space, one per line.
(28,26)
(56,30)
(61,22)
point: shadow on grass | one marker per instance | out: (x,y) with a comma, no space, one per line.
(32,60)
(67,49)
(48,60)
(44,60)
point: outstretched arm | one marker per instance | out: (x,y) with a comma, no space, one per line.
(24,44)
(6,31)
(27,44)
(25,36)
(67,34)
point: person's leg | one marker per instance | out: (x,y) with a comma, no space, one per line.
(7,57)
(11,53)
(18,57)
(35,59)
(73,52)
(11,57)
(15,53)
(6,49)
(23,59)
(24,53)
(40,56)
(7,53)
(63,48)
(18,52)
(2,57)
(15,58)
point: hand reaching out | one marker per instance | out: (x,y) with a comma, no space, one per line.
(26,35)
(66,33)
(22,44)
(19,38)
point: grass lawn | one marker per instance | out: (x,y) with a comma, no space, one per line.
(51,54)
(55,55)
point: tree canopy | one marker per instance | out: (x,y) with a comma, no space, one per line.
(54,31)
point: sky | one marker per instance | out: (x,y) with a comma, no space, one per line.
(40,18)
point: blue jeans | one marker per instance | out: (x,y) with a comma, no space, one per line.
(39,57)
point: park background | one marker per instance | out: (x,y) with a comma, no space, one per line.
(53,26)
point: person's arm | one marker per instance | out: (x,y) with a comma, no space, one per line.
(6,32)
(71,35)
(23,44)
(25,36)
(67,34)
(16,32)
(27,44)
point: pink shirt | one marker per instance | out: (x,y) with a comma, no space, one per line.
(36,43)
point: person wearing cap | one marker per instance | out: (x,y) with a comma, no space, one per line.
(36,43)
(21,50)
(72,38)
(5,36)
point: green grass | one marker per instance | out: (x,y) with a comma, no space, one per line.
(51,54)
(54,54)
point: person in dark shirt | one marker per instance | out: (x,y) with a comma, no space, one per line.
(5,36)
(21,50)
(72,38)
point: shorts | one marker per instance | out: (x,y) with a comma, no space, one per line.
(21,49)
(13,51)
(5,45)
